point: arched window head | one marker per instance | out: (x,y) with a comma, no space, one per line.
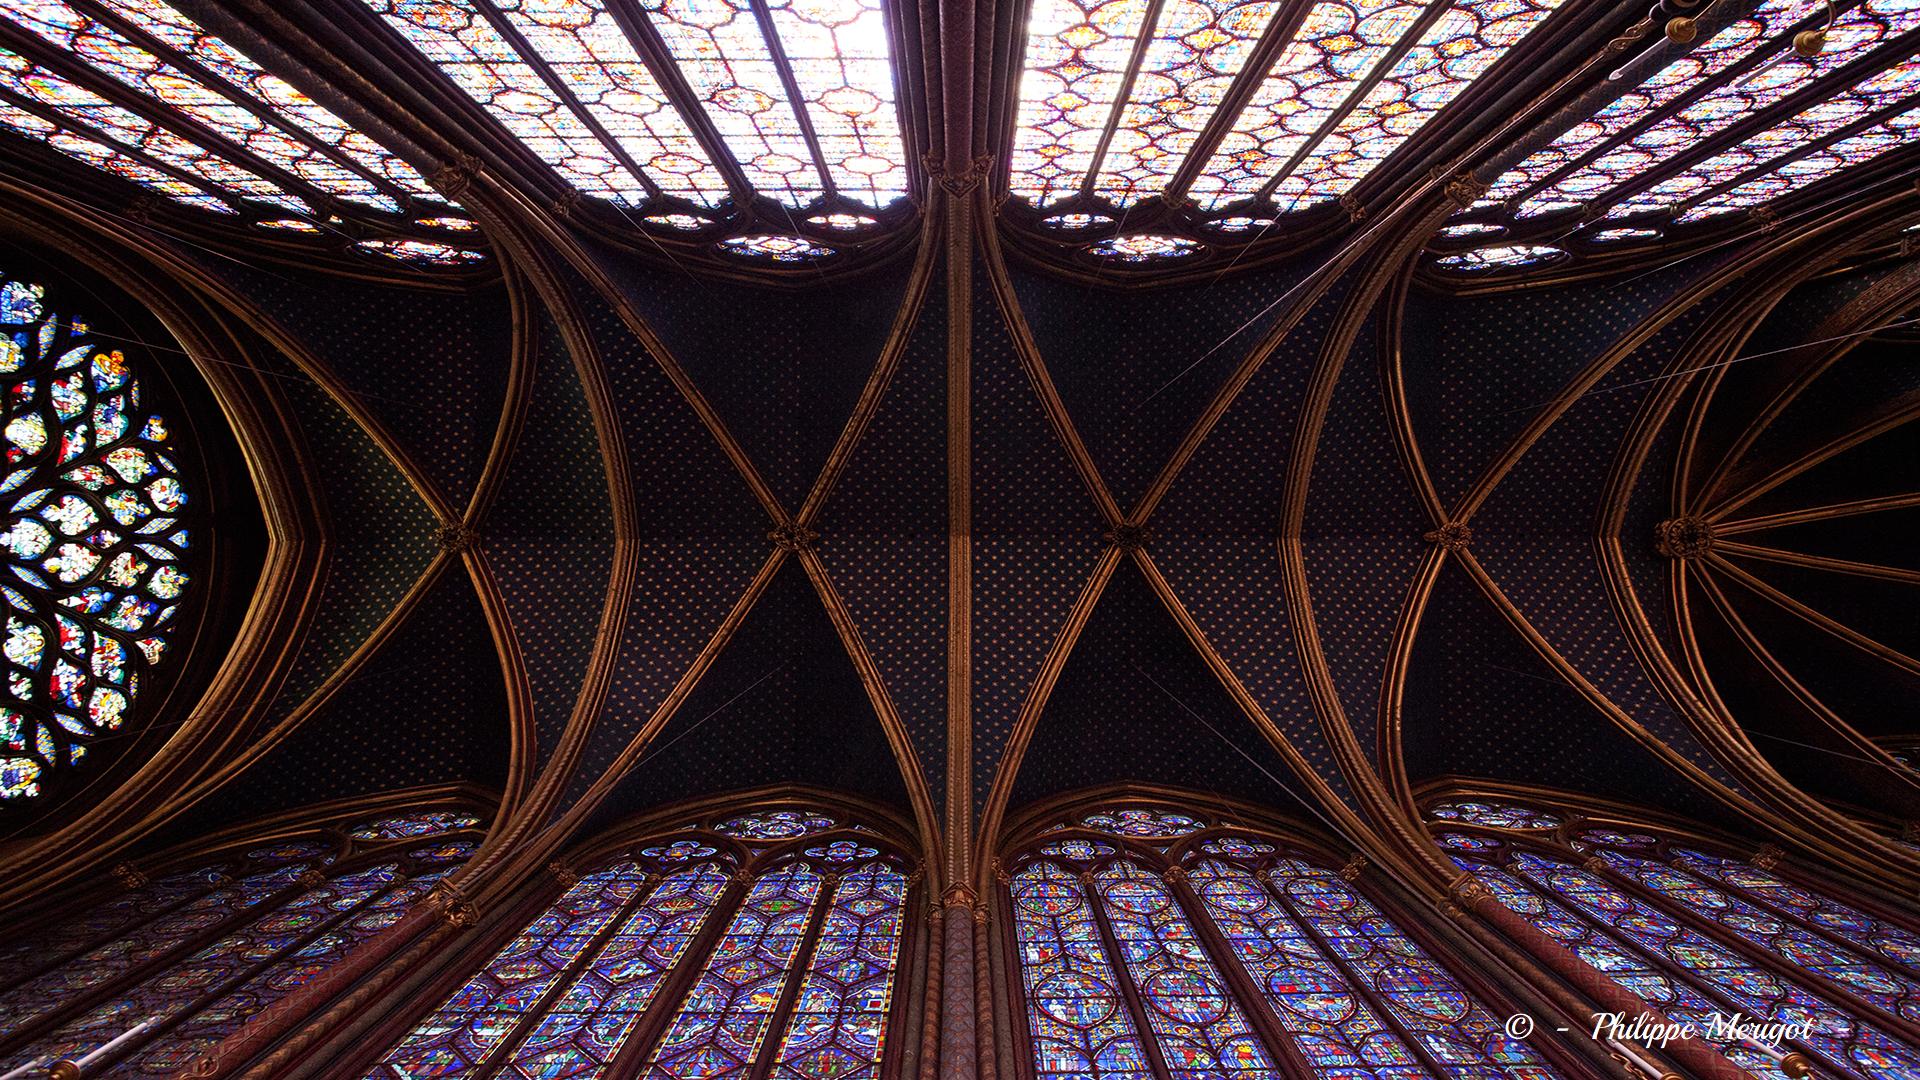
(749,945)
(96,535)
(163,964)
(1161,943)
(1700,935)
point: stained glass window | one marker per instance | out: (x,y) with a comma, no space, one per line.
(1497,815)
(1121,100)
(414,823)
(96,541)
(1121,978)
(1698,934)
(198,951)
(680,960)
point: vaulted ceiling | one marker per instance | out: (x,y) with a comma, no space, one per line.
(972,511)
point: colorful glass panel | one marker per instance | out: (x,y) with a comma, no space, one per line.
(1076,61)
(1503,257)
(775,825)
(1332,1026)
(719,1028)
(1455,1030)
(94,116)
(775,248)
(589,52)
(1868,981)
(1797,172)
(425,252)
(417,823)
(92,543)
(1144,248)
(839,54)
(1200,1029)
(1813,125)
(1676,998)
(1146,824)
(1894,943)
(721,52)
(1468,39)
(590,1020)
(1496,815)
(1074,1012)
(479,60)
(477,1019)
(106,158)
(100,923)
(1198,47)
(839,1023)
(359,920)
(218,109)
(1855,33)
(242,74)
(1686,73)
(1846,1041)
(174,989)
(1337,46)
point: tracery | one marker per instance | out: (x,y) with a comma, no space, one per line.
(174,964)
(97,538)
(1701,934)
(764,943)
(1155,942)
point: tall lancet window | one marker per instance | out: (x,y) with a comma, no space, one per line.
(176,959)
(1155,944)
(1697,933)
(756,945)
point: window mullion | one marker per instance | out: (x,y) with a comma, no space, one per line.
(1666,966)
(778,54)
(530,1019)
(1362,986)
(1136,1009)
(1765,53)
(1274,41)
(1240,984)
(564,92)
(790,993)
(158,113)
(109,936)
(1358,94)
(653,52)
(133,32)
(1822,985)
(632,1056)
(1148,23)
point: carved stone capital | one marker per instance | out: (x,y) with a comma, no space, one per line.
(566,875)
(1594,864)
(1355,866)
(1356,210)
(455,906)
(980,914)
(791,537)
(1464,190)
(1767,856)
(567,205)
(310,878)
(129,875)
(1683,537)
(1129,537)
(1765,218)
(958,896)
(141,208)
(1000,873)
(1174,873)
(1468,892)
(1453,536)
(453,178)
(963,180)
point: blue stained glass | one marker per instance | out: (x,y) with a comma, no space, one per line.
(1145,824)
(586,1026)
(1333,1026)
(1894,943)
(479,1016)
(1498,815)
(720,1026)
(838,1028)
(1200,1029)
(1847,1042)
(418,823)
(1074,1011)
